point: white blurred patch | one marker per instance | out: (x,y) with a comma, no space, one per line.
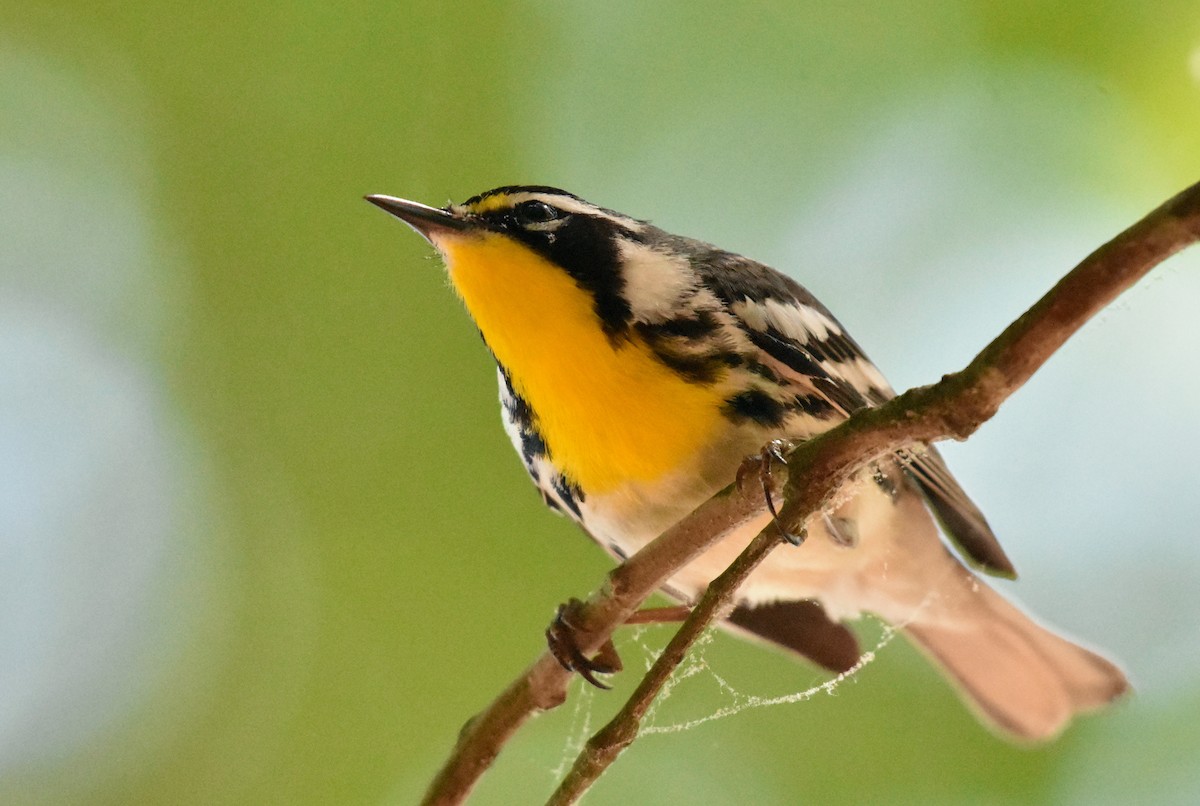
(90,482)
(99,576)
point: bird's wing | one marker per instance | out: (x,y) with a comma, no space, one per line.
(808,349)
(958,515)
(802,627)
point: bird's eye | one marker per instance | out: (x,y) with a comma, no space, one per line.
(534,212)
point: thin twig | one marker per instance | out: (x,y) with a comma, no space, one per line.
(544,684)
(954,407)
(608,743)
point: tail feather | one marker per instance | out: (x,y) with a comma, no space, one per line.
(1018,675)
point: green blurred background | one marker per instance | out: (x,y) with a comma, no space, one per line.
(262,537)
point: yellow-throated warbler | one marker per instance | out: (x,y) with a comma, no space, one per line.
(637,371)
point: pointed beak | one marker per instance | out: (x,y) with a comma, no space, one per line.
(429,222)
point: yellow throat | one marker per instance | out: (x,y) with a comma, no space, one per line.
(608,413)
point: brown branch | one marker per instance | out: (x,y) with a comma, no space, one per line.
(544,684)
(959,403)
(954,407)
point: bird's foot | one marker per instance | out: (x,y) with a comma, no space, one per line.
(564,646)
(762,466)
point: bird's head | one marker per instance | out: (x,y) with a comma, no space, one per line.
(524,241)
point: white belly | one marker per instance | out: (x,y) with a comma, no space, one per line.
(898,563)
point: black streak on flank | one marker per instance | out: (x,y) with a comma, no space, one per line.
(569,494)
(532,446)
(755,405)
(550,502)
(518,410)
(520,414)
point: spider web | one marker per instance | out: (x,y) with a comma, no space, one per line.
(580,728)
(697,664)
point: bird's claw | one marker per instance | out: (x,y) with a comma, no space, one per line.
(561,639)
(761,465)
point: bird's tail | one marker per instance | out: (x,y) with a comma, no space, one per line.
(1018,675)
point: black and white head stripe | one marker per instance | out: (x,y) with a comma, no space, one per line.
(494,204)
(509,190)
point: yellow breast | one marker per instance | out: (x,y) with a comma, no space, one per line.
(609,413)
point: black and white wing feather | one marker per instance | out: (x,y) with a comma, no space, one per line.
(805,346)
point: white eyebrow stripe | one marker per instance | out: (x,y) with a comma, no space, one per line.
(575,206)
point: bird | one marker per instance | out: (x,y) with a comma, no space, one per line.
(639,369)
